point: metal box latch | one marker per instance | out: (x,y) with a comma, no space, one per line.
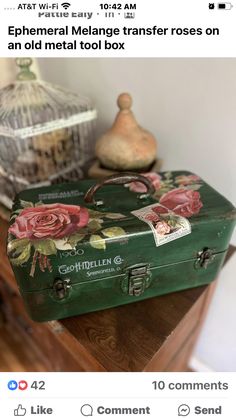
(137,279)
(61,288)
(204,257)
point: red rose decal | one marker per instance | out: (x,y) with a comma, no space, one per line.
(54,221)
(183,202)
(152,217)
(159,210)
(154,178)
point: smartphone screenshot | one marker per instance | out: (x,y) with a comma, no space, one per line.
(117,209)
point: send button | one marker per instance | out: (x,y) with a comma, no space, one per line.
(208,410)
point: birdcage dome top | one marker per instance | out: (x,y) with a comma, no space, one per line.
(46,101)
(29,102)
(46,134)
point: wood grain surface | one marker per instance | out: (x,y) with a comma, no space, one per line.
(16,355)
(127,338)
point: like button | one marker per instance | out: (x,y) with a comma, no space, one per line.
(20,411)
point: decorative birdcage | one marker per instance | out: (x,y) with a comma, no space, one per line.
(46,134)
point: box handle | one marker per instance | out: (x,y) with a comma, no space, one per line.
(119,179)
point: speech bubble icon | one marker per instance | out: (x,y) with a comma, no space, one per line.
(86,410)
(183,410)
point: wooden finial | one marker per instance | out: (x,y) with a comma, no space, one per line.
(126,145)
(124,102)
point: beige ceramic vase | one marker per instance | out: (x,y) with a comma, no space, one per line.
(126,146)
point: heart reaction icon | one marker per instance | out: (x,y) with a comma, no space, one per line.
(23,385)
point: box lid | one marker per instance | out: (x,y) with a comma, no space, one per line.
(55,233)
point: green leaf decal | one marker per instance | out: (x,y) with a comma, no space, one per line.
(45,247)
(94,225)
(38,204)
(98,214)
(172,223)
(114,232)
(15,247)
(75,238)
(97,242)
(16,212)
(168,175)
(95,214)
(26,204)
(114,216)
(19,251)
(63,244)
(83,231)
(194,187)
(164,189)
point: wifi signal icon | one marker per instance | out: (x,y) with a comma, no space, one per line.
(66,5)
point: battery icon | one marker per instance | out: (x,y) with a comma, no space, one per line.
(225,6)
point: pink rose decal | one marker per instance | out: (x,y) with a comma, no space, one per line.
(183,202)
(162,228)
(187,180)
(54,221)
(38,232)
(139,187)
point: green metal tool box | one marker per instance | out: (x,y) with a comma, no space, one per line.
(87,246)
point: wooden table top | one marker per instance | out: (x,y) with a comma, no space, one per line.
(126,338)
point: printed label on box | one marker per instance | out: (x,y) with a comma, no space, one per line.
(165,224)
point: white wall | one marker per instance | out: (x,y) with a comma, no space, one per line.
(190,106)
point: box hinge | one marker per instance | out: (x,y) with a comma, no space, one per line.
(137,280)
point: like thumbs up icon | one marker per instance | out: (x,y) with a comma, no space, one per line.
(20,411)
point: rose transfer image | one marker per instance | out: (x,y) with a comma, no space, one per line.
(139,187)
(179,200)
(178,194)
(49,221)
(183,202)
(39,230)
(164,221)
(47,228)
